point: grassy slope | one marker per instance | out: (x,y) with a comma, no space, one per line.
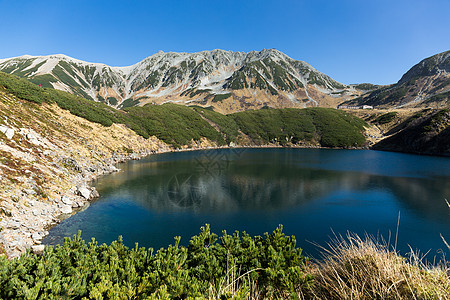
(180,125)
(426,132)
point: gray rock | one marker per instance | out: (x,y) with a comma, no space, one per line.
(3,128)
(36,236)
(84,192)
(66,200)
(13,224)
(38,249)
(9,133)
(71,163)
(6,205)
(66,209)
(33,139)
(94,193)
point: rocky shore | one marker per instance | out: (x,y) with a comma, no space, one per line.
(48,158)
(27,218)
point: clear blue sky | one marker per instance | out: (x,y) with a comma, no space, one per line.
(352,41)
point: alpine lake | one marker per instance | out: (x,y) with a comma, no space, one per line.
(316,194)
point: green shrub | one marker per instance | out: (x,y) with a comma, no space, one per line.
(174,124)
(386,118)
(75,270)
(221,97)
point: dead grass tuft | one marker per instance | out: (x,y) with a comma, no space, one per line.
(356,268)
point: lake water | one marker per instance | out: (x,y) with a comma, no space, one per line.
(314,193)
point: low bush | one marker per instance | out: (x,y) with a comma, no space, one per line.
(386,118)
(207,268)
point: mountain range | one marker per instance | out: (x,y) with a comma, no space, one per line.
(228,81)
(231,81)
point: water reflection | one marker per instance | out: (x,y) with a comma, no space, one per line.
(254,181)
(310,191)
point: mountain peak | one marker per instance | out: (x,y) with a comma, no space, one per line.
(425,85)
(434,65)
(227,80)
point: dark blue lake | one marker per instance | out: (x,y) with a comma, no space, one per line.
(314,193)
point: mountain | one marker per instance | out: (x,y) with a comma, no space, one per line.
(425,85)
(228,81)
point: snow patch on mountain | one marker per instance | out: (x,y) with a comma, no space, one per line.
(170,74)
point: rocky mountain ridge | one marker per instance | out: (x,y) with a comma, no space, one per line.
(228,81)
(425,85)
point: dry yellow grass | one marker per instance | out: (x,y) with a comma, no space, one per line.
(356,268)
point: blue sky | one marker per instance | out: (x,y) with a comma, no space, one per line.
(352,41)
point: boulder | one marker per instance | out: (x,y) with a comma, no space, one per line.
(84,192)
(29,191)
(13,224)
(66,200)
(9,133)
(36,236)
(3,128)
(38,249)
(66,209)
(94,193)
(33,139)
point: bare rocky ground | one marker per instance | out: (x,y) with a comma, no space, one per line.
(48,157)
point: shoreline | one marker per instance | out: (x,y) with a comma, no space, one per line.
(78,198)
(25,226)
(26,221)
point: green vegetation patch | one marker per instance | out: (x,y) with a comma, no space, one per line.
(75,270)
(329,127)
(174,124)
(221,97)
(366,86)
(129,103)
(44,80)
(22,88)
(280,76)
(228,127)
(338,129)
(112,100)
(179,125)
(237,81)
(386,118)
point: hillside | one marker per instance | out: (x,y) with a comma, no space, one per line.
(425,85)
(228,81)
(47,158)
(425,132)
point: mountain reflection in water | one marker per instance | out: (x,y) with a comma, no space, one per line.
(311,191)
